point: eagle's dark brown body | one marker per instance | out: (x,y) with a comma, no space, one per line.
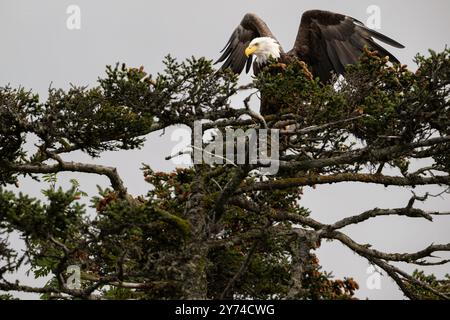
(325,41)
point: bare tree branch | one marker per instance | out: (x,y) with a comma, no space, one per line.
(315,179)
(110,172)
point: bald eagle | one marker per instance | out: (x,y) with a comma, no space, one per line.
(326,42)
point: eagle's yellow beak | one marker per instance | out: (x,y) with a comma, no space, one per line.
(250,50)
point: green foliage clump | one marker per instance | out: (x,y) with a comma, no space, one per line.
(440,285)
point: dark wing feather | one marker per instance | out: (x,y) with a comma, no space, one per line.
(233,54)
(333,57)
(329,41)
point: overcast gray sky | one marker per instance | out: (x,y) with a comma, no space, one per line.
(38,49)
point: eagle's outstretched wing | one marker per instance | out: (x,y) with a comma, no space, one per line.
(329,41)
(250,27)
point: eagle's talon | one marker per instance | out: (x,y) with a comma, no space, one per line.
(279,65)
(305,68)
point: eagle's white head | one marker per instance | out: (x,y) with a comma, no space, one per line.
(263,48)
